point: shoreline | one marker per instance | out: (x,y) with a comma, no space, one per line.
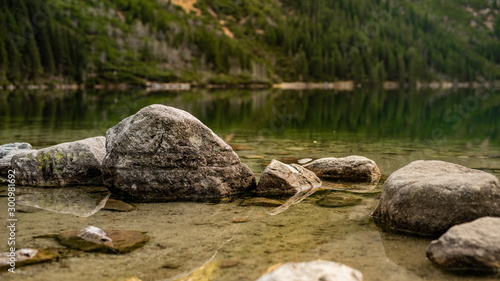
(337,85)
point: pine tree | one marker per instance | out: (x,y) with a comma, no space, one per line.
(401,69)
(46,56)
(4,58)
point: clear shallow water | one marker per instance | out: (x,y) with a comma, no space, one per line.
(392,128)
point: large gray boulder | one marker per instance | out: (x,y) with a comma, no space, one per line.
(474,245)
(313,271)
(351,168)
(282,179)
(164,153)
(65,164)
(7,151)
(429,197)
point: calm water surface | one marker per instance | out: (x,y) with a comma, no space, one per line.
(200,241)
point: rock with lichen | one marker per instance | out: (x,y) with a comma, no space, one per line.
(163,153)
(65,164)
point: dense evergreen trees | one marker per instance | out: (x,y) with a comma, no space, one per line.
(35,46)
(368,41)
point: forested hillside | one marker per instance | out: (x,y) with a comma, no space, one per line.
(245,41)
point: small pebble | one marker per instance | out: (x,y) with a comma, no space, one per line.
(304,160)
(241,220)
(228,263)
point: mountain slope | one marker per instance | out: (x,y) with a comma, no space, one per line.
(244,41)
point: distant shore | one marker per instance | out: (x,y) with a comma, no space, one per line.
(388,85)
(338,86)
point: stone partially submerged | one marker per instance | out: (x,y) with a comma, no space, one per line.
(429,197)
(162,153)
(334,200)
(313,271)
(351,168)
(26,256)
(474,245)
(281,179)
(65,164)
(93,239)
(7,151)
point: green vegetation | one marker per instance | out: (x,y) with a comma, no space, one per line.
(248,41)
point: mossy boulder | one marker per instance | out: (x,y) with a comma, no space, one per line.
(66,164)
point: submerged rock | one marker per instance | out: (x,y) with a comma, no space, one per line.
(95,235)
(7,151)
(26,256)
(313,271)
(429,197)
(118,206)
(339,200)
(262,202)
(355,187)
(474,245)
(239,147)
(351,168)
(163,153)
(295,199)
(282,179)
(228,263)
(66,164)
(96,240)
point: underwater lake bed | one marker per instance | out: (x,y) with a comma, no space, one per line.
(240,238)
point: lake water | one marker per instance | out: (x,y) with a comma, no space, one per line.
(201,241)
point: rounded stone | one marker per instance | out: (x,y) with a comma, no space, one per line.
(351,169)
(313,271)
(282,179)
(122,241)
(429,197)
(163,153)
(474,245)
